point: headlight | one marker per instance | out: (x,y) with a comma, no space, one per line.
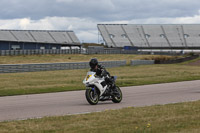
(87,84)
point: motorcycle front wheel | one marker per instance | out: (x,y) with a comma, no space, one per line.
(117,98)
(91,96)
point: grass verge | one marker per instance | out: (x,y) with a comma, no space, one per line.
(68,80)
(180,117)
(23,59)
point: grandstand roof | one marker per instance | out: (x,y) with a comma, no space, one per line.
(40,36)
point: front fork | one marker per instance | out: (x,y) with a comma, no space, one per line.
(94,90)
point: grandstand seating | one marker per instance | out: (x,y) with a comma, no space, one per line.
(60,36)
(6,35)
(106,35)
(119,38)
(22,36)
(134,33)
(193,32)
(157,36)
(151,35)
(39,36)
(73,37)
(174,35)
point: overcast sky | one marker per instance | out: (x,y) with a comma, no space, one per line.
(82,16)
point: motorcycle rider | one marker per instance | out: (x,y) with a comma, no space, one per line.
(101,72)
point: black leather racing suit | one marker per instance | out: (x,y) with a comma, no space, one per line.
(101,72)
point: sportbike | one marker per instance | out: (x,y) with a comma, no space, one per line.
(97,90)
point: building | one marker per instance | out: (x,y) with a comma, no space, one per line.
(37,39)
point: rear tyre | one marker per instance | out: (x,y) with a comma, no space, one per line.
(91,96)
(117,97)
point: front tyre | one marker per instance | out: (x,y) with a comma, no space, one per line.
(117,97)
(91,96)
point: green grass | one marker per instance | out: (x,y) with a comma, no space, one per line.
(23,59)
(180,117)
(68,80)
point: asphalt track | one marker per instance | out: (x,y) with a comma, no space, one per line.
(64,103)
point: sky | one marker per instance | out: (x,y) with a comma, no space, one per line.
(82,16)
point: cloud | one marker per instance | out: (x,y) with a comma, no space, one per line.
(86,29)
(88,36)
(24,23)
(104,10)
(82,16)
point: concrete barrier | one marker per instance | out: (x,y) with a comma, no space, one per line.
(141,62)
(14,68)
(179,60)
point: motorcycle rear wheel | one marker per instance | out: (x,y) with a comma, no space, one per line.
(117,98)
(92,98)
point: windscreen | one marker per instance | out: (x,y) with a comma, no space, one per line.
(91,73)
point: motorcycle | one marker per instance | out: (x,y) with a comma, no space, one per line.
(97,90)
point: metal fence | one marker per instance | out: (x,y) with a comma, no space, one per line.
(39,52)
(79,51)
(54,66)
(142,62)
(67,51)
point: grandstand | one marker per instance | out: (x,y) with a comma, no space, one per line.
(37,39)
(151,36)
